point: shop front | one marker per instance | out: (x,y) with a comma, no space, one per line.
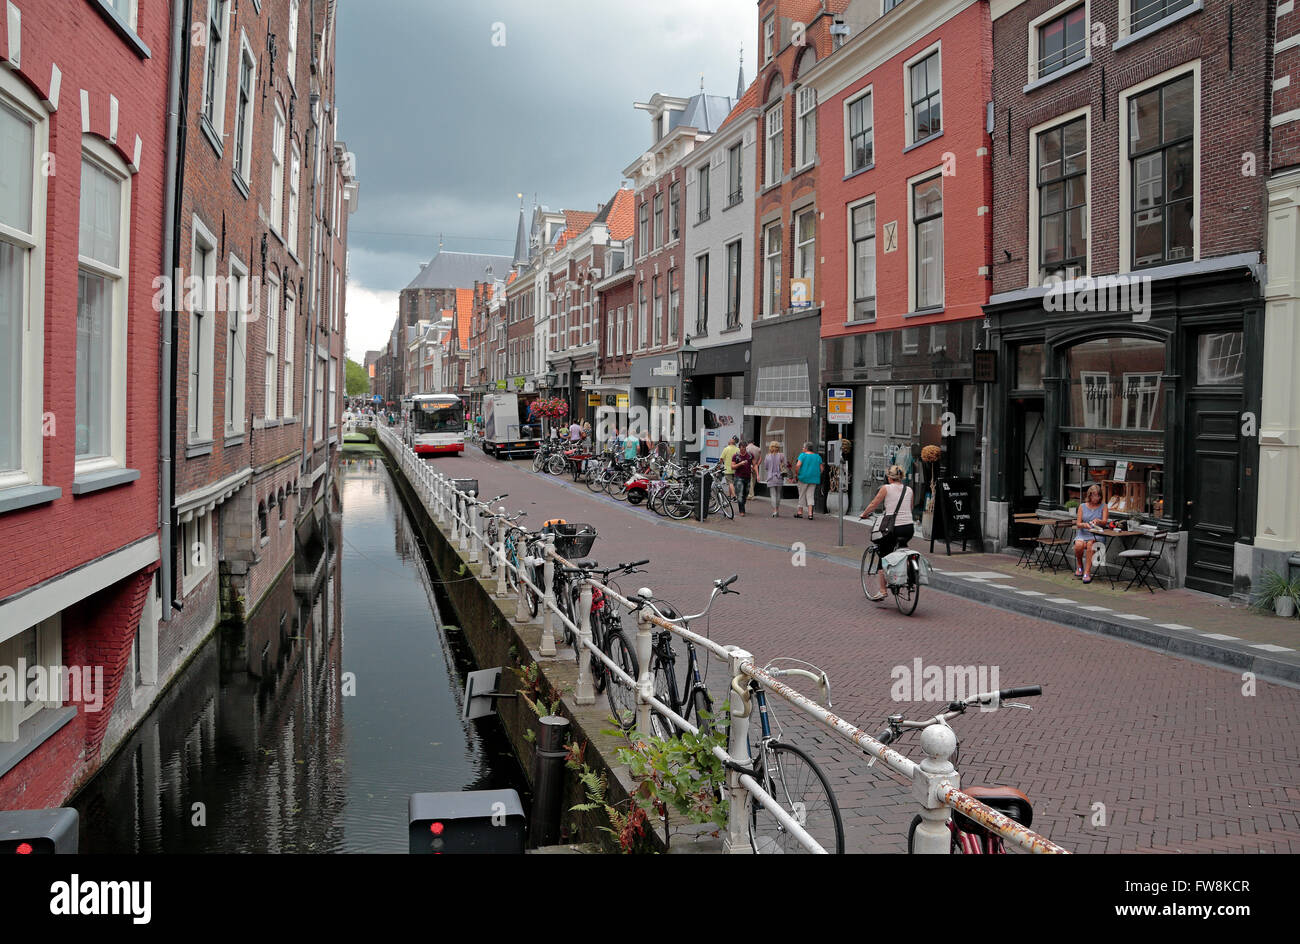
(715,398)
(1155,412)
(903,382)
(782,405)
(656,389)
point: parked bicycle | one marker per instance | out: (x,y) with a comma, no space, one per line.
(968,836)
(786,772)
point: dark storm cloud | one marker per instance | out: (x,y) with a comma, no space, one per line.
(447,127)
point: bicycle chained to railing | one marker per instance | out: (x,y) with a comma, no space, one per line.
(772,778)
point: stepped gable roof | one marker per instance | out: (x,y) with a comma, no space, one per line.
(458,269)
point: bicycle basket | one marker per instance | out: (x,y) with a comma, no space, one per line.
(573,540)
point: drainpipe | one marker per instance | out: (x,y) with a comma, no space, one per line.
(309,394)
(984,456)
(177,100)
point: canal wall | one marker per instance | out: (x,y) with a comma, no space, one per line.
(495,639)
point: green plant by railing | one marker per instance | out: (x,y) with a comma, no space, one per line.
(1274,587)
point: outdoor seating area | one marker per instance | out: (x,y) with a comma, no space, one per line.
(1046,543)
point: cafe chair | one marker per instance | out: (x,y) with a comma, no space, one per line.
(1028,537)
(1053,551)
(1142,562)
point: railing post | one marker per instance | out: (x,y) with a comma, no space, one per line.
(485,571)
(455,519)
(585,695)
(521,603)
(548,597)
(933,775)
(644,684)
(502,527)
(471,517)
(462,513)
(737,840)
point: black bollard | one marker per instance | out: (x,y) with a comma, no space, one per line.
(548,781)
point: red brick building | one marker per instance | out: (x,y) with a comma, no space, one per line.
(903,184)
(1129,215)
(83,148)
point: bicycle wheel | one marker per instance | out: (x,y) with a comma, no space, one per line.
(703,706)
(556,465)
(868,570)
(539,460)
(726,507)
(531,596)
(596,476)
(622,698)
(907,596)
(681,504)
(664,686)
(616,486)
(798,784)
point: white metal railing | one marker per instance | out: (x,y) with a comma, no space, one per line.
(935,782)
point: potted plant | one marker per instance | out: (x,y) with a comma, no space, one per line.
(1278,593)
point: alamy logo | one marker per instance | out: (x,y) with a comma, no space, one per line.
(947,683)
(77,683)
(76,897)
(1129,294)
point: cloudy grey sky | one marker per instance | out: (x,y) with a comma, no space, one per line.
(447,127)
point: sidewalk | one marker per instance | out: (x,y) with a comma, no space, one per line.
(1180,622)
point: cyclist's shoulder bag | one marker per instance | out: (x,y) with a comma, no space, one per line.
(887,522)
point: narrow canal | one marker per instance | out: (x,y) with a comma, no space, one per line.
(307,729)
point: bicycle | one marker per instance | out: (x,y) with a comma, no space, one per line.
(968,836)
(787,774)
(695,698)
(907,593)
(607,636)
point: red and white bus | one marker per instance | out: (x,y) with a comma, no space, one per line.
(436,424)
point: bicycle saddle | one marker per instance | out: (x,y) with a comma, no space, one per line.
(1008,801)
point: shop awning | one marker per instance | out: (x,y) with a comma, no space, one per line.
(797,412)
(608,388)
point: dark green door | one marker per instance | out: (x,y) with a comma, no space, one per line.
(1213,490)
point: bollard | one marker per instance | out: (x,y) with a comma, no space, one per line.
(584,695)
(644,684)
(471,515)
(548,780)
(933,775)
(501,552)
(548,598)
(737,838)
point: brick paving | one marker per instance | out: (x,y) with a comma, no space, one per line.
(1167,752)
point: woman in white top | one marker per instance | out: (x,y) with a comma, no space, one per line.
(893,495)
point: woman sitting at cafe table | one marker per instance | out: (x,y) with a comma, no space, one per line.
(1092,514)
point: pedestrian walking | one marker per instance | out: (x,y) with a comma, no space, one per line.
(808,472)
(774,475)
(724,463)
(575,432)
(742,468)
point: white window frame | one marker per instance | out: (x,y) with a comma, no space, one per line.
(1038,22)
(1126,165)
(769,38)
(197,530)
(49,654)
(800,243)
(1034,238)
(908,124)
(295,180)
(913,254)
(220,50)
(774,156)
(643,322)
(243,158)
(276,209)
(805,126)
(1126,31)
(852,292)
(1145,403)
(1095,415)
(236,346)
(98,152)
(270,389)
(291,61)
(867,93)
(202,356)
(769,259)
(290,324)
(31,338)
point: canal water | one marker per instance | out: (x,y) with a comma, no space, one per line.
(307,729)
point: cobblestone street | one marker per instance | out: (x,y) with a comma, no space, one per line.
(1167,751)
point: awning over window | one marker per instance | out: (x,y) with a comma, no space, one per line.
(791,411)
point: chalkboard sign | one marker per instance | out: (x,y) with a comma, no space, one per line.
(956,516)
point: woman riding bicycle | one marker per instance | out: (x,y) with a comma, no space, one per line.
(896,499)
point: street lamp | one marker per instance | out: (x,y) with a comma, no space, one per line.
(687,357)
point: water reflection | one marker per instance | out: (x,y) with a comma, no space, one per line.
(289,739)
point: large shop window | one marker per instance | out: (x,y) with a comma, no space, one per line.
(1114,432)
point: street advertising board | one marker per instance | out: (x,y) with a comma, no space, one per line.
(955,515)
(839,405)
(722,420)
